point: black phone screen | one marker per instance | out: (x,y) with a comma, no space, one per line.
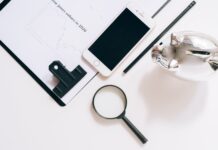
(118,39)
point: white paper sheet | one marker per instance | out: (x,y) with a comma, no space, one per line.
(42,31)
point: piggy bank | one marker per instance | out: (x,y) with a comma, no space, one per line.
(188,55)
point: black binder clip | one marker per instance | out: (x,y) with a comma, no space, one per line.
(67,79)
(3,4)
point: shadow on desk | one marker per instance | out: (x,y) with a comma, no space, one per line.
(172,99)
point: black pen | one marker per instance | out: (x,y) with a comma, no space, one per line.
(161,8)
(160,36)
(3,3)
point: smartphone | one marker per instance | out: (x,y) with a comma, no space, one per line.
(120,37)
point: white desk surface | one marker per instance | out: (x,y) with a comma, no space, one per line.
(172,114)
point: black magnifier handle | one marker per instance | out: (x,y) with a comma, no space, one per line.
(135,130)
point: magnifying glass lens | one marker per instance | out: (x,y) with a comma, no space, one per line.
(110,102)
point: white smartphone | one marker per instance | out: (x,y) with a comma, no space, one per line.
(119,38)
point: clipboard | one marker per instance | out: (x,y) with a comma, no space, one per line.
(47,37)
(34,76)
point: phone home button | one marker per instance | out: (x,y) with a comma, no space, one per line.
(96,63)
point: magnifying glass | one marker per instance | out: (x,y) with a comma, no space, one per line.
(110,102)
